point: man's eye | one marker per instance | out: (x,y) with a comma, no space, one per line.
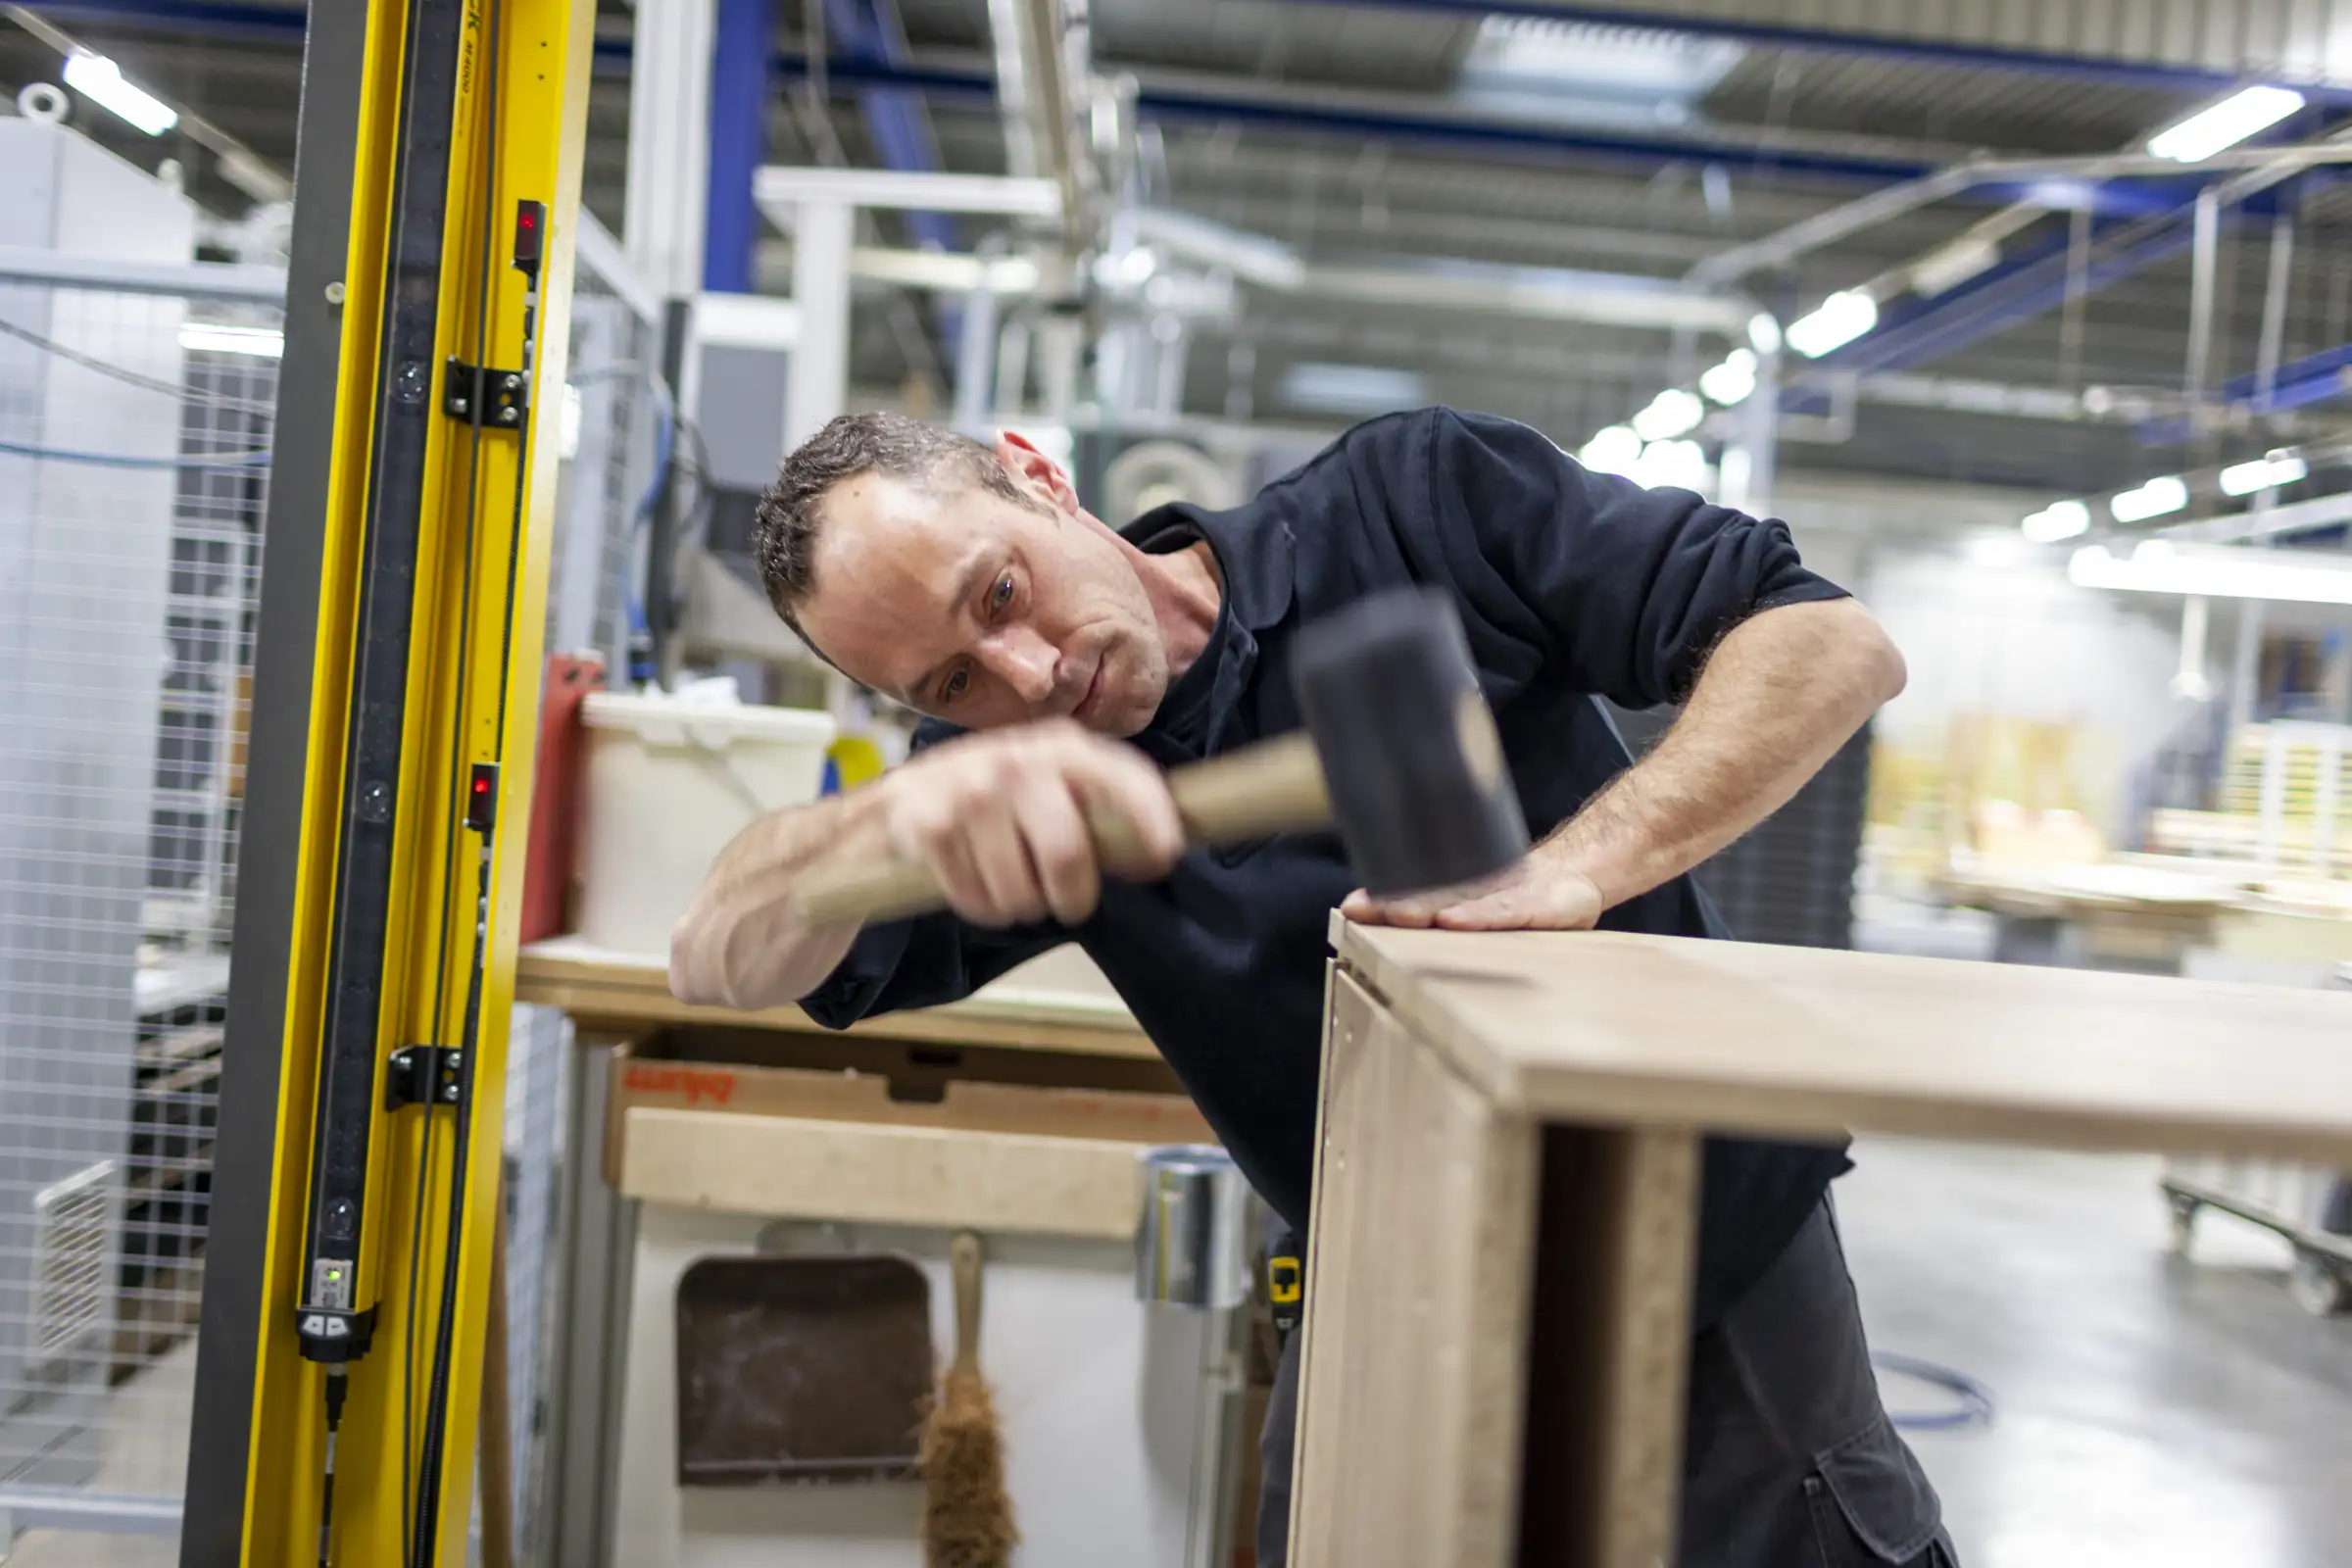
(1001,594)
(955,685)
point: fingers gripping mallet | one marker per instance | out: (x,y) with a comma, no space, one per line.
(1399,753)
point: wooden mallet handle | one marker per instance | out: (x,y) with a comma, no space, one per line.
(1273,787)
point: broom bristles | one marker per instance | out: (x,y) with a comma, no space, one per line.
(968,1518)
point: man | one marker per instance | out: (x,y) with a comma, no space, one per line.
(1064,664)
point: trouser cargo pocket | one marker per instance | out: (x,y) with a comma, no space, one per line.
(1872,1505)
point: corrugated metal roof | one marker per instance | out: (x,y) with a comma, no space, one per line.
(1990,108)
(2291,39)
(1373,47)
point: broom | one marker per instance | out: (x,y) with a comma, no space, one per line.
(967,1519)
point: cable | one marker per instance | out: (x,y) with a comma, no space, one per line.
(430,1457)
(1975,1398)
(337,1388)
(90,362)
(420,1494)
(202,462)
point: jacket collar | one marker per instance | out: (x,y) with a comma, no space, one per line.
(1256,564)
(1254,550)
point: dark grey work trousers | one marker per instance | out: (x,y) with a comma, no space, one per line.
(1789,1461)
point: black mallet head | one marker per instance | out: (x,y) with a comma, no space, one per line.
(1415,768)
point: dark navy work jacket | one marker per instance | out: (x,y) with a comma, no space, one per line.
(1573,586)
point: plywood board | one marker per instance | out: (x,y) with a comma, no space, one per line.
(1058,1002)
(802,1168)
(1609,1347)
(1604,1027)
(1417,1304)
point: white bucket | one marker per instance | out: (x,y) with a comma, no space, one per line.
(670,782)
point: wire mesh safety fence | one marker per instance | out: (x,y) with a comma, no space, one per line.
(134,445)
(133,451)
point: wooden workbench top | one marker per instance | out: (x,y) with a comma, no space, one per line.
(1738,1037)
(2089,890)
(1058,1002)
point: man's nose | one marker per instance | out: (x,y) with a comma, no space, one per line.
(1023,660)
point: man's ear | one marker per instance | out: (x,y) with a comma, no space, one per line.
(1025,463)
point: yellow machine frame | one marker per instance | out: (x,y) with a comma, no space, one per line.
(485,508)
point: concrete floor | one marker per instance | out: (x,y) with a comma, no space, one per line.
(2152,1412)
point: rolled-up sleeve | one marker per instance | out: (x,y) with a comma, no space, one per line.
(922,963)
(1625,590)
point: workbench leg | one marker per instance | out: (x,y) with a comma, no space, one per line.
(1419,1264)
(1609,1356)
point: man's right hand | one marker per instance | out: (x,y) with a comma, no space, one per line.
(1001,818)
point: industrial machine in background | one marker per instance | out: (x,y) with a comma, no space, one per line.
(1790,878)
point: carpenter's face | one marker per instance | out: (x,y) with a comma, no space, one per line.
(984,611)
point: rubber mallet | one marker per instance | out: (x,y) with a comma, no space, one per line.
(1399,753)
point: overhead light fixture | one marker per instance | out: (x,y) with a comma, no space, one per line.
(2216,571)
(1672,412)
(1731,382)
(1614,450)
(1994,550)
(1764,332)
(2154,499)
(1837,322)
(100,79)
(1954,265)
(2060,519)
(2263,474)
(1132,268)
(2224,124)
(261,342)
(1680,464)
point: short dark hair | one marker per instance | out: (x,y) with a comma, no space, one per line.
(784,535)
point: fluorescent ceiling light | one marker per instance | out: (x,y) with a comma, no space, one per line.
(1672,412)
(1647,64)
(2060,519)
(1614,450)
(2216,571)
(2226,124)
(1132,269)
(2154,499)
(1997,550)
(1764,332)
(1837,320)
(1732,381)
(2263,474)
(1681,463)
(100,80)
(1954,265)
(262,342)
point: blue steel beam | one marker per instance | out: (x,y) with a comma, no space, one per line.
(2023,287)
(1525,138)
(2319,377)
(1510,136)
(739,96)
(894,116)
(2314,379)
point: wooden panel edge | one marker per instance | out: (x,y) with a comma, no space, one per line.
(792,1168)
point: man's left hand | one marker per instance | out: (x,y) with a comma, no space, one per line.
(1536,894)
